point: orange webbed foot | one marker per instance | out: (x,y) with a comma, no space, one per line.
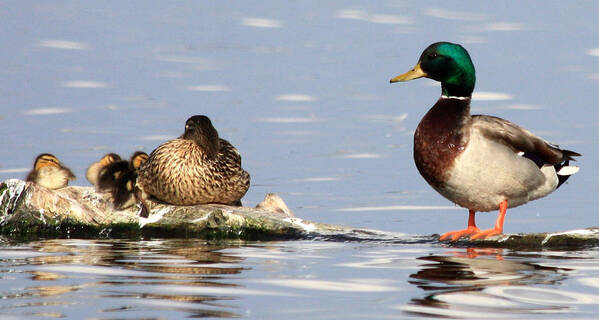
(485,234)
(455,235)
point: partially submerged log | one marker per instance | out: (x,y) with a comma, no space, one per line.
(573,239)
(30,211)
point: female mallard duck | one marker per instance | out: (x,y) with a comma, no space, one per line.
(196,168)
(479,162)
(49,172)
(109,175)
(93,171)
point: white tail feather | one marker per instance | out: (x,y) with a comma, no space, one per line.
(568,170)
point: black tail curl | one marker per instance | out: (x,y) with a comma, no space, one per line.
(567,156)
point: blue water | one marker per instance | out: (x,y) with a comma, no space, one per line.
(301,89)
(175,279)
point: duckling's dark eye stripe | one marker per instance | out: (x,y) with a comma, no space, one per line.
(50,159)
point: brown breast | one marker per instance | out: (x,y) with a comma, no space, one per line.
(440,137)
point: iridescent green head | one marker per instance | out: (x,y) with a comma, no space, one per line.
(448,63)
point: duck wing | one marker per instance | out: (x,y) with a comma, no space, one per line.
(228,154)
(521,140)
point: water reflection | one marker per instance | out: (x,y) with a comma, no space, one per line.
(86,84)
(182,276)
(46,111)
(261,23)
(295,97)
(173,279)
(352,14)
(209,88)
(63,44)
(454,15)
(475,282)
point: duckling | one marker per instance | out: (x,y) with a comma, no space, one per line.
(196,168)
(93,171)
(110,174)
(137,159)
(479,162)
(49,172)
(123,191)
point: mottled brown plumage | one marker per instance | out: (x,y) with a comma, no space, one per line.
(49,172)
(196,168)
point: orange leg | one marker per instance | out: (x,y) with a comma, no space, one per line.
(455,235)
(498,224)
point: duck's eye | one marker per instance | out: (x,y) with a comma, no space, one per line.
(432,55)
(49,159)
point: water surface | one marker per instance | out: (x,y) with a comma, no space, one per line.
(167,279)
(302,90)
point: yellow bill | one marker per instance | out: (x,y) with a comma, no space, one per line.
(415,73)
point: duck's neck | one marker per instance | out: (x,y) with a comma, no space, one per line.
(449,114)
(463,87)
(210,145)
(461,82)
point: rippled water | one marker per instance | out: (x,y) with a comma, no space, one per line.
(301,88)
(299,280)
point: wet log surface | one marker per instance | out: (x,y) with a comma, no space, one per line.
(28,211)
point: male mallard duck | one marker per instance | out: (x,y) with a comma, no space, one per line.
(479,162)
(49,172)
(93,171)
(123,189)
(196,168)
(109,175)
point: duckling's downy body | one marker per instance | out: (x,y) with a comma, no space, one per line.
(196,168)
(479,162)
(49,172)
(93,171)
(121,181)
(110,174)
